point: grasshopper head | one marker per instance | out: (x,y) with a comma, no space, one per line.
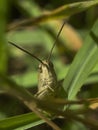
(47,80)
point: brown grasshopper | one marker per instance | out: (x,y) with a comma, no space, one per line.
(48,86)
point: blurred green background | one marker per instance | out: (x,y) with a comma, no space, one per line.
(38,39)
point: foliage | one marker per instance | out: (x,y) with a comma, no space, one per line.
(74,57)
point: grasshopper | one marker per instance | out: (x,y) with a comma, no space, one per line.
(48,86)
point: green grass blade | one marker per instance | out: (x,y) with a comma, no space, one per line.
(64,12)
(71,9)
(82,65)
(20,122)
(3,47)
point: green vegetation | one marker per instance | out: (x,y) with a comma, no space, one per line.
(34,25)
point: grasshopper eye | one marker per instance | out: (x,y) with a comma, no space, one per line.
(40,68)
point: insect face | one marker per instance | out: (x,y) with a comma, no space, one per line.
(47,80)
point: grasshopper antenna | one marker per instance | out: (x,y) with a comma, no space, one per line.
(24,50)
(56,40)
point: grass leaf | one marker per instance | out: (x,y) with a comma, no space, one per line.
(82,65)
(64,12)
(71,9)
(20,122)
(3,49)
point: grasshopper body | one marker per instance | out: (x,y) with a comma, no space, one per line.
(48,86)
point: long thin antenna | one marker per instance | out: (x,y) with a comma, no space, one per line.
(56,40)
(24,50)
